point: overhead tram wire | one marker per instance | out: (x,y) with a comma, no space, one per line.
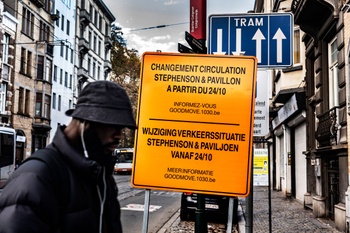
(158,26)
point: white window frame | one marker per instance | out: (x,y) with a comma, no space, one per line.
(3,98)
(333,74)
(5,49)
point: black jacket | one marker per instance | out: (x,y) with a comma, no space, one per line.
(34,201)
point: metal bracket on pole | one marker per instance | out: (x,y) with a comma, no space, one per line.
(146,212)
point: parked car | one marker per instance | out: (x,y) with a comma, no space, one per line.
(216,207)
(124,158)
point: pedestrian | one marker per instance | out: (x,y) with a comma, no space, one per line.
(68,186)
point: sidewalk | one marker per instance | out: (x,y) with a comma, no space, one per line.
(287,215)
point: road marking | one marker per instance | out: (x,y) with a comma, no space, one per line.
(139,207)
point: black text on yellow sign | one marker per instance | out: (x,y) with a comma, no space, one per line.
(195,122)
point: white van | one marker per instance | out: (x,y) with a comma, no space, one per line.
(124,158)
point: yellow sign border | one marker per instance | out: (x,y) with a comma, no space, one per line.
(147,88)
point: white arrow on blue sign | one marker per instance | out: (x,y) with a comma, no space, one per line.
(269,37)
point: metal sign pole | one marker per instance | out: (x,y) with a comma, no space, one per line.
(230,215)
(249,204)
(146,212)
(269,182)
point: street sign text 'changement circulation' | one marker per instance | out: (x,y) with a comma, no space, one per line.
(195,123)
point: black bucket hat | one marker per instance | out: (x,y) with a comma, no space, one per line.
(104,102)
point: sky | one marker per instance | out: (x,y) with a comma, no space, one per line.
(133,15)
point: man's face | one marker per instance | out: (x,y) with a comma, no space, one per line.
(106,137)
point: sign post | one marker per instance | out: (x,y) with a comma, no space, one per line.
(195,123)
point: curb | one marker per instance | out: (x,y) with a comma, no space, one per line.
(170,222)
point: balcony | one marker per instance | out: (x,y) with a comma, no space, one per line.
(108,42)
(38,3)
(83,74)
(107,65)
(327,130)
(84,46)
(54,17)
(312,15)
(84,17)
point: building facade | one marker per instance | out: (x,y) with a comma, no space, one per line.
(63,78)
(92,42)
(327,147)
(49,50)
(309,109)
(32,74)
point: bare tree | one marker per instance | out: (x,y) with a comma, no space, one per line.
(126,72)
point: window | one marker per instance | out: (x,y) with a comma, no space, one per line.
(26,61)
(70,81)
(66,79)
(61,76)
(27,102)
(91,12)
(59,103)
(94,69)
(62,50)
(100,23)
(333,73)
(96,17)
(71,56)
(67,52)
(90,39)
(98,72)
(62,23)
(29,63)
(47,5)
(297,46)
(20,100)
(44,31)
(106,29)
(68,27)
(47,106)
(27,22)
(3,98)
(89,64)
(40,68)
(23,101)
(48,70)
(38,103)
(99,48)
(55,73)
(23,61)
(53,100)
(5,48)
(95,39)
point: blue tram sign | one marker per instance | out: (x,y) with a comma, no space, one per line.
(269,37)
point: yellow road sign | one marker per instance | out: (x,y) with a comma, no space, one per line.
(195,123)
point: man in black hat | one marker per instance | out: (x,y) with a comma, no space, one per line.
(68,186)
